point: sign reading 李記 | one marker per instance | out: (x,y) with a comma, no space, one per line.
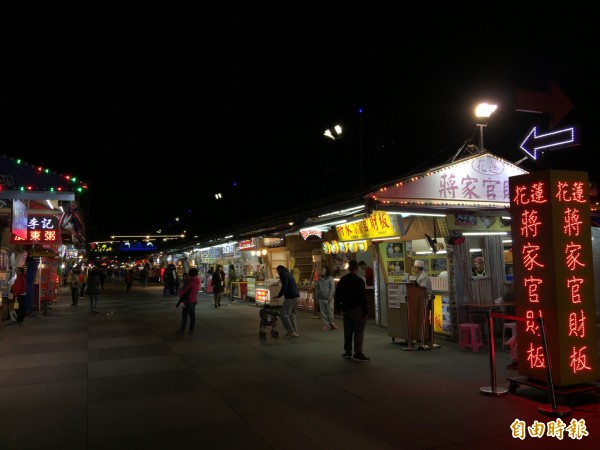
(552,256)
(41,229)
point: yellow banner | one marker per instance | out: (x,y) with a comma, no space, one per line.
(378,225)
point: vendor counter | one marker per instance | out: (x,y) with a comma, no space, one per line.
(407,313)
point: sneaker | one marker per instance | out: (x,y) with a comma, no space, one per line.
(326,327)
(347,355)
(361,357)
(289,334)
(295,334)
(333,327)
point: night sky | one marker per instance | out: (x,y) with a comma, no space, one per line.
(159,108)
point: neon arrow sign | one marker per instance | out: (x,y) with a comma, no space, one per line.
(534,142)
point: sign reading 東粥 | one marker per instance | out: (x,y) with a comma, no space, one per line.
(552,257)
(41,229)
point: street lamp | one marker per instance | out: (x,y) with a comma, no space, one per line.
(483,111)
(335,134)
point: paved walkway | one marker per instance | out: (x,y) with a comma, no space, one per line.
(123,379)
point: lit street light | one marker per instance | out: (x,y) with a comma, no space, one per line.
(336,134)
(483,111)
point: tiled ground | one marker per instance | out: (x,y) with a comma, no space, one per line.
(123,379)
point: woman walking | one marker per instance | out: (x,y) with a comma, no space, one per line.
(189,295)
(93,288)
(218,285)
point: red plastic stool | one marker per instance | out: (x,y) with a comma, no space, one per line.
(508,326)
(469,336)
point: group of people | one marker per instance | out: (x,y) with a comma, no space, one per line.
(350,297)
(188,293)
(84,281)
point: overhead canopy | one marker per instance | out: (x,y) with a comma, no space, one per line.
(478,182)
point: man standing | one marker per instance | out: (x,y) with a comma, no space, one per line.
(289,290)
(368,273)
(351,298)
(422,279)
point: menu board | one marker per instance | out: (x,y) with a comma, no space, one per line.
(396,295)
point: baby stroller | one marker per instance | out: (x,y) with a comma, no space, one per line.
(268,318)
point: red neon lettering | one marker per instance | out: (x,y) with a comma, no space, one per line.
(532,285)
(530,223)
(537,193)
(535,356)
(572,222)
(530,256)
(520,197)
(574,284)
(579,360)
(572,252)
(531,326)
(577,324)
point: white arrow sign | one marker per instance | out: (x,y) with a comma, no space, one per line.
(534,142)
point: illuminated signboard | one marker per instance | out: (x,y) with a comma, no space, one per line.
(19,219)
(552,256)
(41,229)
(378,225)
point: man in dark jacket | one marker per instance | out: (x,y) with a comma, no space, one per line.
(289,290)
(351,298)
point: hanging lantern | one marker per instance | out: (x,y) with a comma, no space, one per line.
(326,248)
(335,247)
(343,247)
(353,247)
(363,245)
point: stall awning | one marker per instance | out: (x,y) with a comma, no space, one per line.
(479,182)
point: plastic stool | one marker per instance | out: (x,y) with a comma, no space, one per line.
(469,336)
(512,326)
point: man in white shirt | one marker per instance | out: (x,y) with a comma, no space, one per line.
(422,279)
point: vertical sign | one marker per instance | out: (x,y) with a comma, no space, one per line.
(552,256)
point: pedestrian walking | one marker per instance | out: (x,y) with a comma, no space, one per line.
(218,285)
(189,296)
(289,291)
(73,283)
(93,288)
(325,289)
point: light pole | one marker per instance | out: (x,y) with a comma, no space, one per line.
(336,133)
(483,111)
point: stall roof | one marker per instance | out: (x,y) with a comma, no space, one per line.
(476,182)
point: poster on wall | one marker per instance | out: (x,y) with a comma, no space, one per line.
(393,256)
(442,323)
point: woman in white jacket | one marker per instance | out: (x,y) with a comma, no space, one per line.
(325,291)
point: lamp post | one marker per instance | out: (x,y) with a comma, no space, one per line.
(483,111)
(336,133)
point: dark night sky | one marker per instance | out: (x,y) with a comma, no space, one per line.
(159,108)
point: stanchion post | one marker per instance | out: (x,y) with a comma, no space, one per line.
(493,389)
(555,410)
